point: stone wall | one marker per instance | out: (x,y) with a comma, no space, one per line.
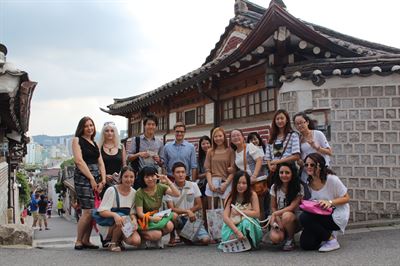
(3,192)
(365,137)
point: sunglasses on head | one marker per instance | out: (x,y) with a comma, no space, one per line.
(109,123)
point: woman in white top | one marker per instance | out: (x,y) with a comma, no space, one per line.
(311,140)
(126,196)
(327,189)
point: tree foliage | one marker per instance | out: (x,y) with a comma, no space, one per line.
(24,189)
(59,187)
(69,162)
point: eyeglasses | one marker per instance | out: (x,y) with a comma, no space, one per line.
(109,124)
(179,132)
(309,164)
(300,123)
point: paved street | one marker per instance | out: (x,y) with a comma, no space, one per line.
(378,246)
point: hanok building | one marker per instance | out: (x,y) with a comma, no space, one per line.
(16,92)
(267,59)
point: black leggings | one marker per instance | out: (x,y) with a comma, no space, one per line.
(316,228)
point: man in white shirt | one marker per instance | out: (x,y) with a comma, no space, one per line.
(186,205)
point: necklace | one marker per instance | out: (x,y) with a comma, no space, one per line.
(109,148)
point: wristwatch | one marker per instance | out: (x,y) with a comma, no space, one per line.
(330,202)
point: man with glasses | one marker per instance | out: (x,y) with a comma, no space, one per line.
(181,150)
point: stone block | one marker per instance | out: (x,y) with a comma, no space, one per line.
(354,182)
(378,206)
(359,171)
(372,195)
(365,91)
(359,148)
(365,182)
(360,125)
(384,171)
(372,216)
(340,160)
(353,204)
(347,171)
(372,102)
(16,234)
(377,183)
(341,115)
(396,196)
(354,159)
(384,125)
(391,137)
(336,125)
(384,102)
(366,159)
(359,103)
(396,148)
(341,92)
(390,160)
(390,113)
(348,148)
(378,137)
(354,114)
(395,125)
(377,91)
(377,160)
(378,114)
(360,194)
(391,206)
(361,217)
(347,103)
(371,148)
(372,125)
(365,137)
(336,169)
(348,126)
(365,206)
(337,148)
(390,183)
(365,114)
(396,102)
(316,93)
(384,148)
(354,92)
(390,90)
(335,103)
(342,137)
(385,196)
(372,172)
(324,103)
(396,172)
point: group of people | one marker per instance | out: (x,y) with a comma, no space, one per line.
(255,180)
(40,208)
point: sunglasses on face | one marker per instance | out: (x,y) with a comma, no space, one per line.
(309,165)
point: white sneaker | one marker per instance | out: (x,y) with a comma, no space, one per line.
(159,244)
(329,245)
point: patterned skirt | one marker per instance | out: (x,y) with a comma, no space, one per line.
(84,191)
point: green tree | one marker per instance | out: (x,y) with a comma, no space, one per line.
(24,189)
(69,162)
(59,187)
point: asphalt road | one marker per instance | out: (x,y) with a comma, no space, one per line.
(379,246)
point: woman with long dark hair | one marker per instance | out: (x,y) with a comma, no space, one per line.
(246,200)
(204,146)
(286,194)
(283,145)
(255,138)
(327,189)
(311,140)
(89,177)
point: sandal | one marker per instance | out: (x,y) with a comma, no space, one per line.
(171,243)
(113,247)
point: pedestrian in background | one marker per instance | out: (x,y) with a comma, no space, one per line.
(42,208)
(49,208)
(60,207)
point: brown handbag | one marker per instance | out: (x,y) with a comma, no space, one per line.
(260,187)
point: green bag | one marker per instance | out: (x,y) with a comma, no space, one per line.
(159,225)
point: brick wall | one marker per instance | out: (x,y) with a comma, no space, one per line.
(365,137)
(3,192)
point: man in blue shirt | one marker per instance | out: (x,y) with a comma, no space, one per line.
(35,197)
(181,150)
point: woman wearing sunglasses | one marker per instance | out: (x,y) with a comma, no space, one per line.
(113,154)
(329,192)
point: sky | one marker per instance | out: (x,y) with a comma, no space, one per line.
(85,53)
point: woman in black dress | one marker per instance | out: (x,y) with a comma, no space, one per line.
(89,178)
(113,154)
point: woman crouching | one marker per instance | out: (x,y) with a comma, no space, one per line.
(124,214)
(245,199)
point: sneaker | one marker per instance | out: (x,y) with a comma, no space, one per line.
(40,229)
(159,244)
(329,245)
(289,245)
(47,228)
